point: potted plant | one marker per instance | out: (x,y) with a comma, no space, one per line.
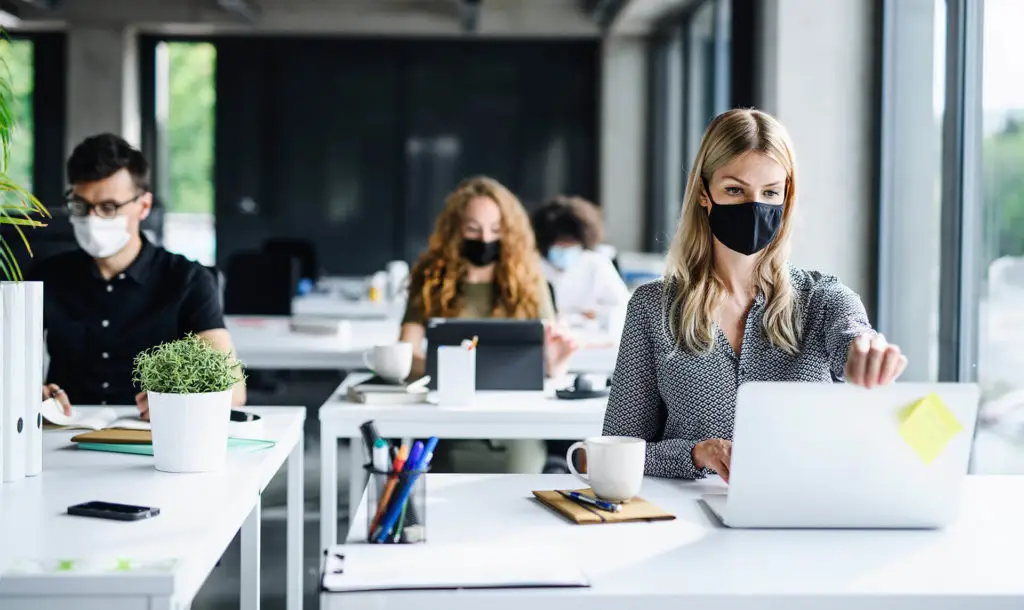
(21,309)
(189,384)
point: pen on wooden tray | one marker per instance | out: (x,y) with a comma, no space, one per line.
(587,500)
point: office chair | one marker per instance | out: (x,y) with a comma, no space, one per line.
(303,250)
(260,284)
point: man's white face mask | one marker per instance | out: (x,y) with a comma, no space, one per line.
(101,237)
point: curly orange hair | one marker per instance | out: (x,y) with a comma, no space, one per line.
(435,278)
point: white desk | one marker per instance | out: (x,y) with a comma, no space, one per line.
(336,306)
(693,562)
(199,516)
(268,343)
(496,415)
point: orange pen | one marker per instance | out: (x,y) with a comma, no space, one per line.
(472,346)
(403,454)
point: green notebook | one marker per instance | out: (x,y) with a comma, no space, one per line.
(234,444)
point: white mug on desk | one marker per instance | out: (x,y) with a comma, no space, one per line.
(615,466)
(390,362)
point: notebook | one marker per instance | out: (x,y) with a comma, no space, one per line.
(234,444)
(636,509)
(89,419)
(377,391)
(388,567)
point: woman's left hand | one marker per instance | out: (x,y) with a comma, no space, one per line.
(872,361)
(559,346)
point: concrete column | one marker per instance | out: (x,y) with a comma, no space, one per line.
(818,78)
(623,125)
(102,83)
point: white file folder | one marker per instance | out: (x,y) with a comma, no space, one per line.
(34,350)
(13,385)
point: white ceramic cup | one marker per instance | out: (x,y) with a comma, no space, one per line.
(615,466)
(390,362)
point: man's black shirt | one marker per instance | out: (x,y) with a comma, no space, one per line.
(95,327)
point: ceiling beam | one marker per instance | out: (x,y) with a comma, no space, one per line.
(46,5)
(246,9)
(604,12)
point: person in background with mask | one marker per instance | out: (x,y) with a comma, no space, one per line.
(584,281)
(732,309)
(481,262)
(118,294)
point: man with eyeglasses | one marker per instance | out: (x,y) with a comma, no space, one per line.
(119,294)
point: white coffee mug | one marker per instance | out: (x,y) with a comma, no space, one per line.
(390,362)
(615,466)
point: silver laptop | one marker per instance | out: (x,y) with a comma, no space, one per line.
(809,455)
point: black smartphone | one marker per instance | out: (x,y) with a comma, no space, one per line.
(112,510)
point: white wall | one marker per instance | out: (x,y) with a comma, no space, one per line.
(817,75)
(623,140)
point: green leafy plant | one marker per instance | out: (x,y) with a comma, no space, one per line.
(190,365)
(18,207)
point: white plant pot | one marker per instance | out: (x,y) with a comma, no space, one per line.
(190,431)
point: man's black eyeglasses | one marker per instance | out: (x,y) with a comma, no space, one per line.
(80,208)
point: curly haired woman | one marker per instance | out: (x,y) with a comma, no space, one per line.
(481,262)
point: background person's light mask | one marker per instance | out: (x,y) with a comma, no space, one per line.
(101,237)
(564,257)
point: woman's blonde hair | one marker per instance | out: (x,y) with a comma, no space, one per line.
(435,278)
(690,264)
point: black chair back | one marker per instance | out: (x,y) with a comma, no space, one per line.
(301,249)
(260,284)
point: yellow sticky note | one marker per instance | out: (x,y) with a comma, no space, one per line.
(928,425)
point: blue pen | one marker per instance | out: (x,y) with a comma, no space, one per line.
(391,517)
(595,502)
(410,464)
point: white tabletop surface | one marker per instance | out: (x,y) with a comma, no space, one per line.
(495,415)
(974,563)
(199,513)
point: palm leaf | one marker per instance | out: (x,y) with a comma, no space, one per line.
(17,205)
(13,274)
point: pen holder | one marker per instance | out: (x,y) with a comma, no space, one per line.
(456,376)
(396,506)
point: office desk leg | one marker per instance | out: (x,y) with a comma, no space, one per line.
(356,477)
(295,524)
(328,488)
(250,573)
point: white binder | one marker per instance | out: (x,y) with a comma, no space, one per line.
(34,350)
(13,387)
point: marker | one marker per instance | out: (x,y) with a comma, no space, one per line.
(380,455)
(380,465)
(596,503)
(400,460)
(380,533)
(394,511)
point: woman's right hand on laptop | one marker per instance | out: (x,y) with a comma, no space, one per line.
(53,390)
(714,453)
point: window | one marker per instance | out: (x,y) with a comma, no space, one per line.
(911,181)
(18,63)
(185,102)
(1000,251)
(689,85)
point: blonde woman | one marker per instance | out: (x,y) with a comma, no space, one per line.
(731,309)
